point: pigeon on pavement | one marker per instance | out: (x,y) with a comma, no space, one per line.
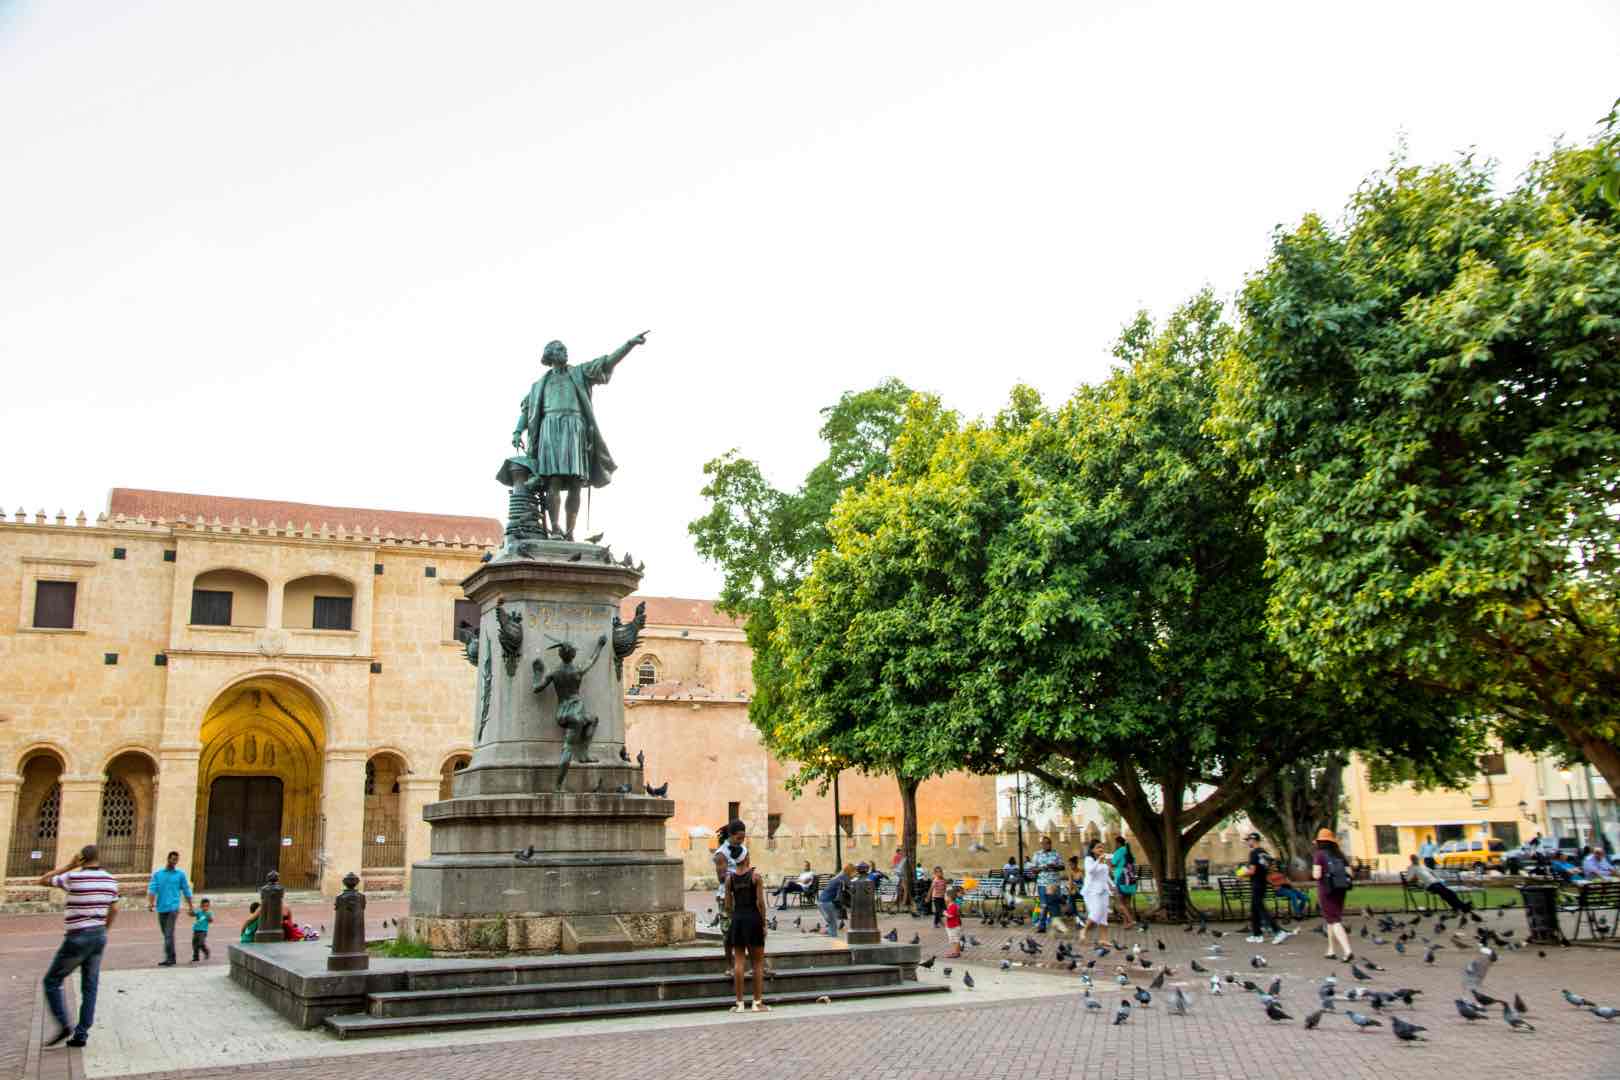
(1404,1031)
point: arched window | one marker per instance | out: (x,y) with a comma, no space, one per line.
(117,811)
(647,671)
(50,817)
(448,772)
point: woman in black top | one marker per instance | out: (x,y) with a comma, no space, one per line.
(745,903)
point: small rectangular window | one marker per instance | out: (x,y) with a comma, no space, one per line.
(1493,764)
(210,607)
(1506,835)
(1389,839)
(53,604)
(733,811)
(846,822)
(334,613)
(772,823)
(467,617)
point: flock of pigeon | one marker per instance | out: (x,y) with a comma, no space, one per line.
(1366,1007)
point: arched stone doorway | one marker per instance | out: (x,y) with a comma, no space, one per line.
(128,804)
(32,850)
(447,773)
(259,787)
(384,833)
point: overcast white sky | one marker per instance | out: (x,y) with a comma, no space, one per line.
(311,251)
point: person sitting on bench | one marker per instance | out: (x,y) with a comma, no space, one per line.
(801,884)
(1432,884)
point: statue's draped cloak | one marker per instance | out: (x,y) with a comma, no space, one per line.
(582,377)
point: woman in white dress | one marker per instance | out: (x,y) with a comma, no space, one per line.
(1098,885)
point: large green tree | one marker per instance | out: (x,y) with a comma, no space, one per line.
(1429,392)
(1079,594)
(763,540)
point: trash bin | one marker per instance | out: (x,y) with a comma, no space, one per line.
(1201,869)
(1541,913)
(1173,899)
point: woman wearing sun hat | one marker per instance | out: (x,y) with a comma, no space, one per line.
(1332,874)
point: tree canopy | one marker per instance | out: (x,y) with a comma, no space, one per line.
(1428,395)
(1078,593)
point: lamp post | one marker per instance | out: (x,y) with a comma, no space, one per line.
(1569,797)
(838,829)
(1597,840)
(1018,786)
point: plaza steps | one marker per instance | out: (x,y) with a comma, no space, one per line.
(506,993)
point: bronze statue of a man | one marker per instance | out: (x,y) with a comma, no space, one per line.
(571,717)
(564,446)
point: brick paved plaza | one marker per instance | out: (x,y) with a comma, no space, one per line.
(1027,1022)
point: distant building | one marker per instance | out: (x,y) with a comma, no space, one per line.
(271,685)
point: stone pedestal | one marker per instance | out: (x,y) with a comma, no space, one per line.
(863,927)
(523,858)
(349,928)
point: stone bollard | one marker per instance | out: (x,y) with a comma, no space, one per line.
(863,928)
(270,910)
(349,930)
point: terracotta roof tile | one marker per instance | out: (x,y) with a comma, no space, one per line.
(136,502)
(676,611)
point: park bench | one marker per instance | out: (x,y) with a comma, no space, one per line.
(888,893)
(1235,896)
(985,895)
(1587,900)
(1415,896)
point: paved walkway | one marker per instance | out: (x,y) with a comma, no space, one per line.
(1027,1022)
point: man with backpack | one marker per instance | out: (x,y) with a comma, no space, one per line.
(1259,869)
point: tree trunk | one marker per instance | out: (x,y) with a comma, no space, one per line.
(908,833)
(1298,801)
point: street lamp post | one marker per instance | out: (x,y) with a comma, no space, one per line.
(1591,807)
(838,829)
(1018,786)
(1569,797)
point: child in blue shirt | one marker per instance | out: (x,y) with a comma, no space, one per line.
(201,920)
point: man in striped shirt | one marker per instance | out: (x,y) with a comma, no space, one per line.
(92,905)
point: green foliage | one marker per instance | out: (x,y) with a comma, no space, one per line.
(1079,593)
(402,947)
(1429,395)
(763,539)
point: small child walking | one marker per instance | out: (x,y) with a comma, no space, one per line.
(953,922)
(201,919)
(936,893)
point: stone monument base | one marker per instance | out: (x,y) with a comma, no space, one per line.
(527,934)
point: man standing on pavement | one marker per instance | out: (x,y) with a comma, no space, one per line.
(1048,871)
(1426,852)
(92,905)
(1259,867)
(163,896)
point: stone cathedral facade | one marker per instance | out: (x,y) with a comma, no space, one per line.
(268,685)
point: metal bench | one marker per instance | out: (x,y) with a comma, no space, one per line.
(1415,896)
(1235,894)
(1589,899)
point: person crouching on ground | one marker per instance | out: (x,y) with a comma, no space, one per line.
(832,895)
(745,906)
(250,927)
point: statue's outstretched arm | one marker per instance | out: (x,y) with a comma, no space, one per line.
(601,643)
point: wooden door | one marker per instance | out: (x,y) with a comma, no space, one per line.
(244,831)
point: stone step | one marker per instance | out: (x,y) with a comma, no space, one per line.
(656,988)
(360,1025)
(543,970)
